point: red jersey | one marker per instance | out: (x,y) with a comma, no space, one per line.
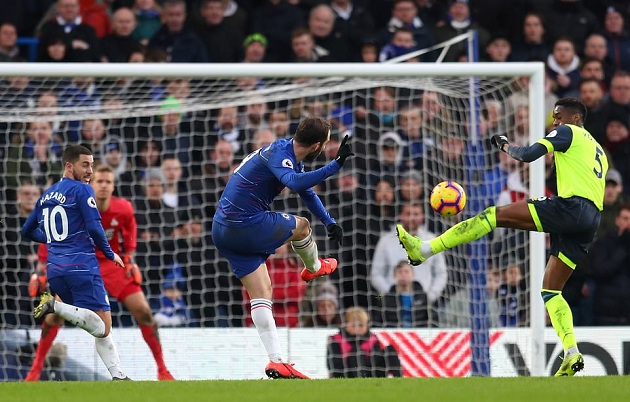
(118,218)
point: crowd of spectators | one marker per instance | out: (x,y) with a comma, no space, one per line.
(175,165)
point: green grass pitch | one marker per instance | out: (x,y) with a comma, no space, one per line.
(526,389)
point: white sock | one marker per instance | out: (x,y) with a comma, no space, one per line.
(266,326)
(571,351)
(425,249)
(307,250)
(81,317)
(108,352)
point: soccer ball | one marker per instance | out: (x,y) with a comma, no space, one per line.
(448,198)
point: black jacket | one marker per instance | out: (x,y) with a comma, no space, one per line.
(609,259)
(350,356)
(390,312)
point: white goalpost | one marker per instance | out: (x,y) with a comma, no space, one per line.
(458,107)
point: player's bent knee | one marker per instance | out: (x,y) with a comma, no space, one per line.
(302,229)
(144,317)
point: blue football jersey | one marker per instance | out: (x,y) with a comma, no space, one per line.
(67,220)
(259,179)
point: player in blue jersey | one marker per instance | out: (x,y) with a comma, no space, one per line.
(67,220)
(246,232)
(571,218)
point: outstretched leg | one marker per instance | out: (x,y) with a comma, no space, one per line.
(516,215)
(463,232)
(83,318)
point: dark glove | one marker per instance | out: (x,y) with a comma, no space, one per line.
(498,141)
(344,151)
(335,233)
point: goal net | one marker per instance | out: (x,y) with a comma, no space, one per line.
(174,134)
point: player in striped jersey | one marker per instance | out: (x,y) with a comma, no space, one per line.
(119,222)
(246,232)
(67,220)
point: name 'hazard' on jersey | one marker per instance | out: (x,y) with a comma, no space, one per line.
(67,220)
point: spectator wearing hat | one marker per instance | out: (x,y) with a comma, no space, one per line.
(533,45)
(324,312)
(120,44)
(175,130)
(254,48)
(613,199)
(617,143)
(222,39)
(82,44)
(353,22)
(390,163)
(617,38)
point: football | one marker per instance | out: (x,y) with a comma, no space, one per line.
(448,198)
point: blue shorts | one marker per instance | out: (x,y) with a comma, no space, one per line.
(86,291)
(248,247)
(570,222)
